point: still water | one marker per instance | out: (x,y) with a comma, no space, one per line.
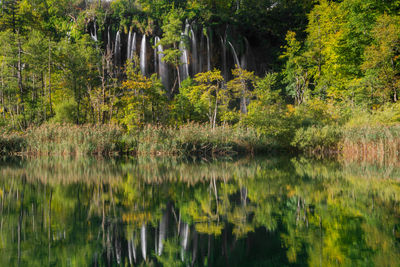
(166,212)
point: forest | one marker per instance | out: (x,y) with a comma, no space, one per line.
(200,76)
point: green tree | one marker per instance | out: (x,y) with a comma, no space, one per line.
(171,39)
(209,95)
(382,57)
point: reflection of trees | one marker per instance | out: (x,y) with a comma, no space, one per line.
(144,211)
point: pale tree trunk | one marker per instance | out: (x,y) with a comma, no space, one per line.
(2,91)
(50,103)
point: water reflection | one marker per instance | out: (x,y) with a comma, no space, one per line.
(248,212)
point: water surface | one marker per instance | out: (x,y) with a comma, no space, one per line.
(166,212)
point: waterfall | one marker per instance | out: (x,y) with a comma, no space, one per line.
(133,47)
(117,49)
(128,51)
(184,240)
(224,64)
(143,63)
(208,54)
(195,63)
(235,57)
(94,35)
(245,56)
(162,66)
(163,232)
(184,56)
(143,238)
(108,39)
(155,54)
(243,100)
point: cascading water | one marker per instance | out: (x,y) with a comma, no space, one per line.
(208,53)
(224,64)
(128,52)
(155,54)
(133,47)
(117,49)
(184,56)
(244,60)
(195,63)
(235,57)
(108,40)
(243,100)
(94,34)
(162,66)
(201,53)
(143,60)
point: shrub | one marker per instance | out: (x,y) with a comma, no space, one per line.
(317,139)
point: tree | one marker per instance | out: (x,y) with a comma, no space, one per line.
(142,100)
(382,58)
(240,85)
(172,29)
(295,72)
(209,94)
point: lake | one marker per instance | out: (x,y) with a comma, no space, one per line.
(261,211)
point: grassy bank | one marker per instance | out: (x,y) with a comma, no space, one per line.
(368,135)
(186,140)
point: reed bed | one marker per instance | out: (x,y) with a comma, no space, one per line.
(376,143)
(200,140)
(66,139)
(187,140)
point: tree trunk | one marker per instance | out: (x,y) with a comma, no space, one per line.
(2,92)
(43,97)
(19,77)
(51,108)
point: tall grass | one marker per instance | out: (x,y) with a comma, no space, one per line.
(189,139)
(198,139)
(67,139)
(371,143)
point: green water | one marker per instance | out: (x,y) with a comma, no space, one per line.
(165,212)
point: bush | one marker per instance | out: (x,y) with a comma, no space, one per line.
(317,139)
(66,112)
(11,143)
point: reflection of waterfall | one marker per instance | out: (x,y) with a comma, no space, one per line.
(243,195)
(195,63)
(162,66)
(184,240)
(131,250)
(143,63)
(117,49)
(163,232)
(143,238)
(118,250)
(195,247)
